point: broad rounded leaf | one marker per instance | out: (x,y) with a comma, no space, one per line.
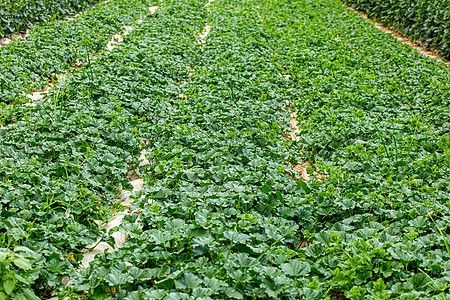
(22,263)
(296,268)
(9,285)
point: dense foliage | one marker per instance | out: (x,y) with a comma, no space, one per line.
(220,216)
(60,47)
(58,174)
(16,15)
(427,21)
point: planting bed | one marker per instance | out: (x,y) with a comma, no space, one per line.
(427,21)
(20,15)
(60,47)
(353,205)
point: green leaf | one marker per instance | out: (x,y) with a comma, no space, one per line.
(29,295)
(188,280)
(22,263)
(160,237)
(233,294)
(266,189)
(53,269)
(419,280)
(296,268)
(379,285)
(22,248)
(9,285)
(118,279)
(314,250)
(191,176)
(3,256)
(21,279)
(323,237)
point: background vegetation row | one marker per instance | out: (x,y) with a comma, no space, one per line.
(427,21)
(59,47)
(23,14)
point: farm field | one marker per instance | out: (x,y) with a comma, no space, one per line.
(160,134)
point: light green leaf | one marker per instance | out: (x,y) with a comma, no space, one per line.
(29,295)
(22,263)
(118,279)
(232,293)
(296,268)
(9,285)
(188,280)
(3,256)
(22,248)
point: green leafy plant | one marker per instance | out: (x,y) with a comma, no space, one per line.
(17,274)
(59,47)
(222,213)
(17,16)
(425,21)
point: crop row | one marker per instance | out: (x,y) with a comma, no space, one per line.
(23,14)
(220,216)
(60,47)
(374,117)
(427,21)
(62,160)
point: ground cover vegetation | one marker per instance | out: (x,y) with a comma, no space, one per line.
(220,215)
(17,15)
(59,47)
(426,21)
